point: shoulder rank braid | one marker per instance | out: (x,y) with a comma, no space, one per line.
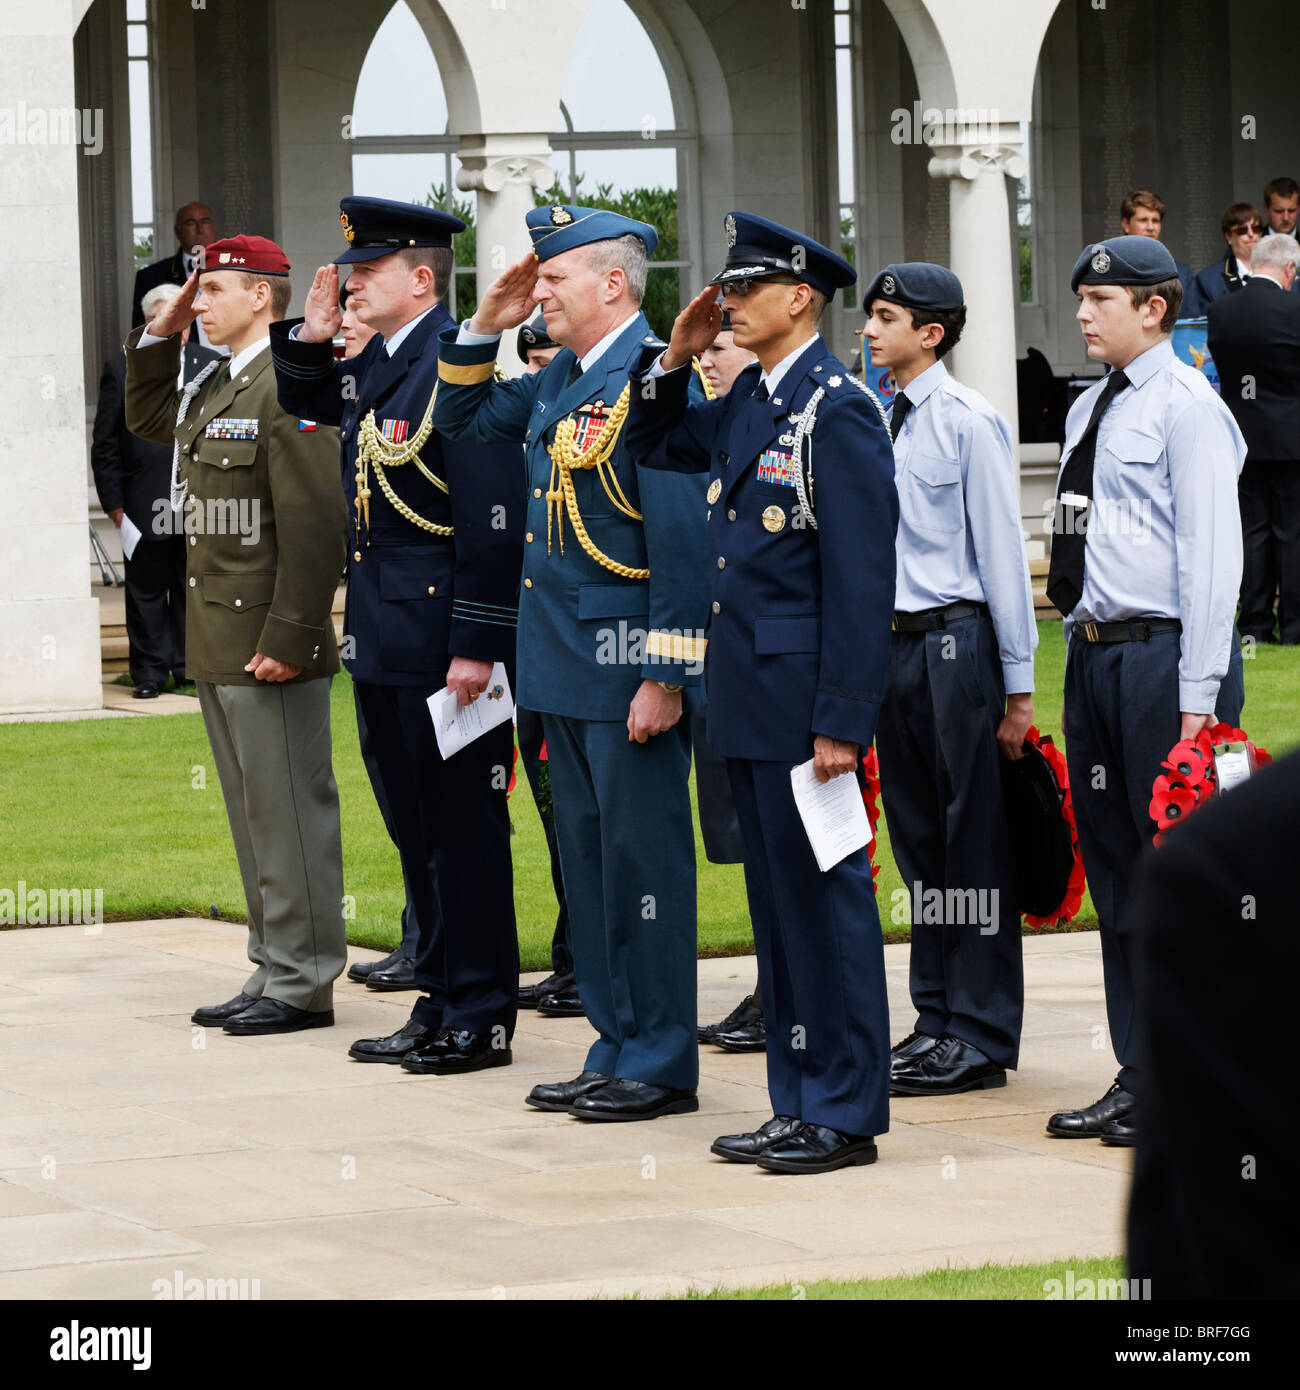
(566,455)
(804,426)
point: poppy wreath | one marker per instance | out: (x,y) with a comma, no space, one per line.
(871,799)
(1069,905)
(1189,778)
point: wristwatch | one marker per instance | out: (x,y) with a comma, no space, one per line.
(671,689)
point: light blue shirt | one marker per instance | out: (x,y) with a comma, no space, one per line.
(1164,529)
(959,533)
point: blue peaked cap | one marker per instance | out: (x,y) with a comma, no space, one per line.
(560,227)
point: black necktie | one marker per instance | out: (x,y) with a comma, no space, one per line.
(575,371)
(760,392)
(1069,524)
(901,406)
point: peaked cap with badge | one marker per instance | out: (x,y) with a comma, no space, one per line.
(758,249)
(560,227)
(377,227)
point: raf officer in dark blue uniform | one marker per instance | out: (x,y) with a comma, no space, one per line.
(431,601)
(611,622)
(803,592)
(960,690)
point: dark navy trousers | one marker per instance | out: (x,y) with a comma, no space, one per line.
(942,787)
(410,933)
(1121,720)
(452,831)
(627,851)
(821,962)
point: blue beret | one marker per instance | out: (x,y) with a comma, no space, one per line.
(918,284)
(1124,260)
(758,249)
(561,226)
(534,337)
(377,227)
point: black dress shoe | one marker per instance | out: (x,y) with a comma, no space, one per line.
(213,1015)
(947,1069)
(744,1014)
(560,1095)
(531,995)
(361,970)
(275,1016)
(750,1037)
(453,1051)
(1121,1132)
(387,979)
(745,1148)
(146,691)
(621,1099)
(817,1149)
(566,1005)
(1089,1122)
(395,1046)
(912,1046)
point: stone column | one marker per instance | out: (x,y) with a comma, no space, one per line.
(503,171)
(981,251)
(49,623)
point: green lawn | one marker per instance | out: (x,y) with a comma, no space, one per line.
(132,806)
(990,1281)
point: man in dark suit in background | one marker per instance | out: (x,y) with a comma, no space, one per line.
(1142,213)
(1254,338)
(132,476)
(195,226)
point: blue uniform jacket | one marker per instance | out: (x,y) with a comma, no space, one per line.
(800,623)
(588,637)
(414,599)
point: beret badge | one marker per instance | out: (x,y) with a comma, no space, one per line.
(1101,261)
(889,285)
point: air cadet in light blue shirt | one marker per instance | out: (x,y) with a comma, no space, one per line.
(959,697)
(1146,564)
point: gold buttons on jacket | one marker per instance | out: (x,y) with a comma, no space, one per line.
(717,607)
(433,589)
(356,555)
(528,583)
(731,513)
(529,538)
(715,491)
(537,492)
(722,562)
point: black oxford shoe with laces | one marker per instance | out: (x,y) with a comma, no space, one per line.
(1089,1122)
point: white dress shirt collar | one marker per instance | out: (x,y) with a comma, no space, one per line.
(921,385)
(772,379)
(593,355)
(1146,364)
(237,364)
(392,344)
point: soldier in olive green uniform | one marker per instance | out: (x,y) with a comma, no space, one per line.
(257,492)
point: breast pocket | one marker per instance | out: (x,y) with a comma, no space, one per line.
(931,497)
(225,467)
(1134,447)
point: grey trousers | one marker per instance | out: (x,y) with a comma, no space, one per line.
(271,744)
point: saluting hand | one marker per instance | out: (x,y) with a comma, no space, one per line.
(694,329)
(509,301)
(322,317)
(179,312)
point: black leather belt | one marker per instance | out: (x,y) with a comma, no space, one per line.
(1131,630)
(934,619)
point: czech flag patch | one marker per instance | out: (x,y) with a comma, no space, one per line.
(306,425)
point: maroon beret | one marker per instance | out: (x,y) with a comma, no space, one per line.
(252,253)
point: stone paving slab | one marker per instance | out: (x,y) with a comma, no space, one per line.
(134,1147)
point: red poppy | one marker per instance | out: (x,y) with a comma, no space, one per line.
(1225,733)
(1191,759)
(513,763)
(1071,902)
(871,799)
(1171,800)
(1262,757)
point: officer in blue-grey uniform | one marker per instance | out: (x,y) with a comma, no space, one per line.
(611,622)
(431,601)
(803,593)
(960,690)
(1145,568)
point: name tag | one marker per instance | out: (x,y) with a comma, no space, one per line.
(1073,499)
(229,427)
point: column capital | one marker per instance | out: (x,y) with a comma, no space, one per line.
(491,170)
(999,151)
